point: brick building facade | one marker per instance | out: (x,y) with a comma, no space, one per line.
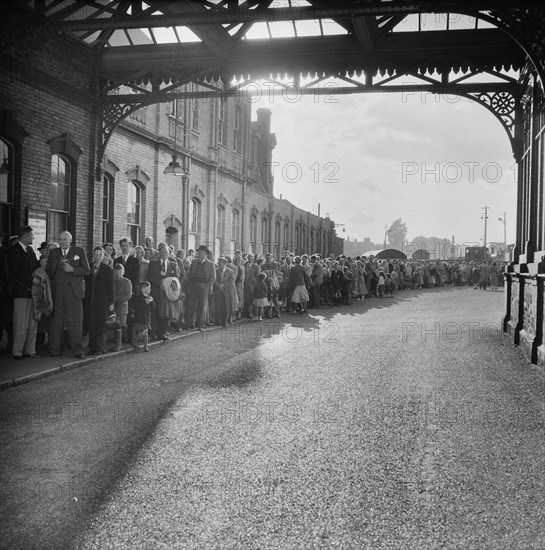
(50,131)
(226,201)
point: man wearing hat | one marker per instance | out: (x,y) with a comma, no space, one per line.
(43,250)
(201,277)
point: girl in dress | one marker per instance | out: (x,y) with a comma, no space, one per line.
(361,287)
(260,292)
(381,283)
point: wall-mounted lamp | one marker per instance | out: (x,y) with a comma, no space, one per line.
(174,168)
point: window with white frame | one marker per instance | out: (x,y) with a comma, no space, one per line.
(61,178)
(220,228)
(7,160)
(134,210)
(195,217)
(277,227)
(222,122)
(107,196)
(235,228)
(237,130)
(253,231)
(265,233)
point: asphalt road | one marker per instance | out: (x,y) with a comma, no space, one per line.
(404,422)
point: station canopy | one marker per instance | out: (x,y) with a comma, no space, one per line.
(361,43)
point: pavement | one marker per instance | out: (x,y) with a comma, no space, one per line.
(16,372)
(407,422)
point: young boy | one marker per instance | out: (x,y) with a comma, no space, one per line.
(122,295)
(142,305)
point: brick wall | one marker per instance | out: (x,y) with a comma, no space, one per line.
(43,85)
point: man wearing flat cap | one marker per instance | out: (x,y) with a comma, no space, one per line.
(201,277)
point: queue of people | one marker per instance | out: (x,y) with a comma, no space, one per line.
(144,293)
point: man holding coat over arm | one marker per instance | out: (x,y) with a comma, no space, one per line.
(66,266)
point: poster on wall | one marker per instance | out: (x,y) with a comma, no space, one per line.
(37,219)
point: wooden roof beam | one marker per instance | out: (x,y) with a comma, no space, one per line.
(366,31)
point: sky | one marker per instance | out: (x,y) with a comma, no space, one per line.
(368,159)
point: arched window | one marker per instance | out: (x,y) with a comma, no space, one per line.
(265,234)
(61,177)
(64,205)
(235,229)
(134,207)
(171,237)
(253,232)
(296,240)
(311,249)
(220,230)
(7,158)
(286,235)
(277,238)
(107,207)
(194,223)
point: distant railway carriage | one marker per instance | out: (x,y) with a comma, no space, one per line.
(475,254)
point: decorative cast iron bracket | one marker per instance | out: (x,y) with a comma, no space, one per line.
(503,105)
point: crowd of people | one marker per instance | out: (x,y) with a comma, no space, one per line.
(143,293)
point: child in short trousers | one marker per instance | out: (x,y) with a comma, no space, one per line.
(142,305)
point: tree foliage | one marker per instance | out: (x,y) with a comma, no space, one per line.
(396,234)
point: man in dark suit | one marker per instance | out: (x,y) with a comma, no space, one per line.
(317,278)
(129,262)
(66,267)
(201,277)
(160,269)
(131,265)
(22,263)
(6,300)
(98,302)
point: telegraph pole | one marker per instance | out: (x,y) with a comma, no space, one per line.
(485,218)
(504,221)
